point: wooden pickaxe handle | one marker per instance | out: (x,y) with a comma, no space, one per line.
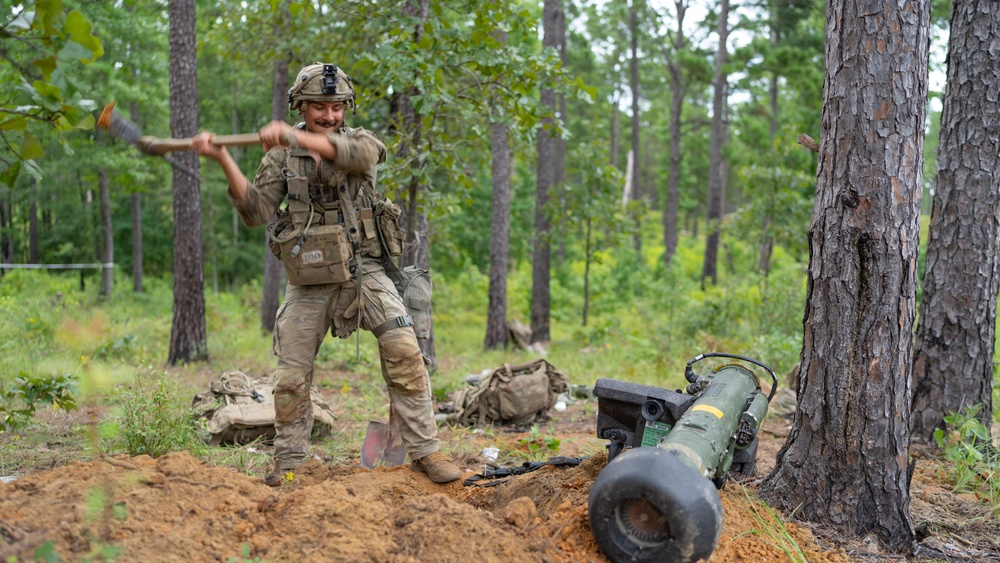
(159,147)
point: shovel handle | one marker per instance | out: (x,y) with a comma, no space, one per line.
(159,147)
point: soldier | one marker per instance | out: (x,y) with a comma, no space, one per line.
(333,237)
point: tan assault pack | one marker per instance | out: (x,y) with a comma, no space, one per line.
(511,395)
(239,410)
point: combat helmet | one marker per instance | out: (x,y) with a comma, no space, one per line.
(321,82)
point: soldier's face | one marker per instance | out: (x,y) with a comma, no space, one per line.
(323,117)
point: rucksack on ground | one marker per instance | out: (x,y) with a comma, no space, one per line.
(517,395)
(240,410)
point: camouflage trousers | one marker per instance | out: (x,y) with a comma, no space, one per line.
(304,318)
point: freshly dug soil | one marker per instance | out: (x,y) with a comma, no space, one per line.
(177,509)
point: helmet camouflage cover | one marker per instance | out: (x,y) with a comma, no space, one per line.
(321,82)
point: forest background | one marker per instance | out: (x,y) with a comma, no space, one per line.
(625,91)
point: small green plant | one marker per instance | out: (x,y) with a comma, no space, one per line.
(538,444)
(965,441)
(19,402)
(151,419)
(245,556)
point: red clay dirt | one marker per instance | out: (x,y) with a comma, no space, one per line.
(176,508)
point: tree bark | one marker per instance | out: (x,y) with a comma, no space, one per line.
(674,171)
(850,435)
(541,264)
(496,317)
(709,270)
(953,362)
(107,236)
(33,223)
(416,245)
(136,215)
(273,269)
(637,194)
(6,241)
(188,340)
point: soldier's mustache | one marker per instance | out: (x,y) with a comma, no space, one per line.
(324,123)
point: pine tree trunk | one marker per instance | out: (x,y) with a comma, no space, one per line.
(674,171)
(541,264)
(136,201)
(496,317)
(188,340)
(416,245)
(136,215)
(6,241)
(953,362)
(273,269)
(850,436)
(107,236)
(637,194)
(33,223)
(709,270)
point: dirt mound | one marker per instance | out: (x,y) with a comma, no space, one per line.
(178,509)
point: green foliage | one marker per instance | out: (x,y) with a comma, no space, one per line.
(152,418)
(540,446)
(19,402)
(44,44)
(965,441)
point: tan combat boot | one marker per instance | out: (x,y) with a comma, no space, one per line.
(438,467)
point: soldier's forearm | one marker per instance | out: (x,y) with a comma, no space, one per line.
(311,141)
(237,180)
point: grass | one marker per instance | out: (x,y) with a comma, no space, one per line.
(771,528)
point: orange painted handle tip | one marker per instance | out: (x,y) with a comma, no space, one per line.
(105,119)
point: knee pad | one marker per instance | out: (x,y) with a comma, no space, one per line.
(402,362)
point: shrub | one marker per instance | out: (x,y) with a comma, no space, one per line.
(18,403)
(152,419)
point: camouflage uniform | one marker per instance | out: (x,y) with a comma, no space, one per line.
(309,311)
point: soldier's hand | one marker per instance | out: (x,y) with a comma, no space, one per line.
(204,144)
(274,133)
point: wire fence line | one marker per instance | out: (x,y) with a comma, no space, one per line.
(57,266)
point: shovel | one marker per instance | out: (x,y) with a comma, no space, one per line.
(383,446)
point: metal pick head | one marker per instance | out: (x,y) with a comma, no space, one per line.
(118,125)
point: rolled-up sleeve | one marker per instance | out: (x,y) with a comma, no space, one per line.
(357,150)
(266,192)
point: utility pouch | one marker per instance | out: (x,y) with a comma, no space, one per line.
(387,217)
(415,289)
(320,255)
(279,231)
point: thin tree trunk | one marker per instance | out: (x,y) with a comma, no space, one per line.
(953,362)
(850,436)
(416,246)
(716,187)
(674,171)
(107,236)
(136,215)
(496,318)
(273,271)
(33,223)
(587,257)
(6,225)
(552,14)
(188,340)
(637,194)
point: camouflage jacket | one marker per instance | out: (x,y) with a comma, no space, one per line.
(359,152)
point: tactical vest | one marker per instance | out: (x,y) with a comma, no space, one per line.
(332,215)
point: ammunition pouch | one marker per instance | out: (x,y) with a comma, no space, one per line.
(387,224)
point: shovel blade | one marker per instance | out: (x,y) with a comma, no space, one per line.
(383,446)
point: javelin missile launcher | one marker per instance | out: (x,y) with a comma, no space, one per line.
(668,453)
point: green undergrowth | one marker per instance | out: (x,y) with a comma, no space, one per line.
(975,461)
